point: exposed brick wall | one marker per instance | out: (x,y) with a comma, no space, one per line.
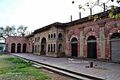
(101,30)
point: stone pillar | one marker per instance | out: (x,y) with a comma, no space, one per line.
(107,49)
(68,49)
(102,43)
(81,43)
(85,48)
(78,48)
(56,48)
(16,47)
(101,54)
(98,48)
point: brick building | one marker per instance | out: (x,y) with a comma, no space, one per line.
(83,38)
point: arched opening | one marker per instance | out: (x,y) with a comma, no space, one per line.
(49,36)
(13,48)
(18,48)
(32,48)
(60,36)
(48,47)
(24,48)
(60,48)
(91,47)
(115,46)
(74,47)
(43,46)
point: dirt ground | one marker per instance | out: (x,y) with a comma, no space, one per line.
(56,76)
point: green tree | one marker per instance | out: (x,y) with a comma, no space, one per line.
(7,31)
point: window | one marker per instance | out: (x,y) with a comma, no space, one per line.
(54,47)
(60,36)
(49,36)
(60,47)
(48,47)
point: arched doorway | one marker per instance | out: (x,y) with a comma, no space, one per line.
(60,36)
(13,48)
(60,48)
(115,47)
(74,47)
(43,46)
(24,48)
(91,47)
(18,48)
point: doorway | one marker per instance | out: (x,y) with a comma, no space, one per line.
(91,47)
(74,47)
(43,46)
(13,48)
(18,48)
(115,47)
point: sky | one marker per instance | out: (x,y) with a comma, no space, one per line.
(39,13)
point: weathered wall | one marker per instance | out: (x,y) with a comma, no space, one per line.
(16,40)
(100,29)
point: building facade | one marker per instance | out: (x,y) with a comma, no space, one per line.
(18,44)
(83,38)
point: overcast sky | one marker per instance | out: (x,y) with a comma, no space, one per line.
(39,13)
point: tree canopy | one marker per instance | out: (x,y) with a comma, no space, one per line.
(12,31)
(104,5)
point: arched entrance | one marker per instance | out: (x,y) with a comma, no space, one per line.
(60,36)
(24,48)
(60,48)
(13,48)
(43,46)
(91,47)
(18,48)
(74,47)
(115,47)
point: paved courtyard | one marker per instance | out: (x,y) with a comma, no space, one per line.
(103,70)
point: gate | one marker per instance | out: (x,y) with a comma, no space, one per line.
(115,47)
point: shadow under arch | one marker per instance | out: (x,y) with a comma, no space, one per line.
(18,48)
(43,46)
(13,47)
(91,47)
(74,47)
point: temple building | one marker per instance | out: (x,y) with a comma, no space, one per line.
(89,37)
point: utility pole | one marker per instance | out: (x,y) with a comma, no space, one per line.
(104,7)
(71,18)
(79,15)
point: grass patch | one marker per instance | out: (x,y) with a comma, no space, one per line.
(12,68)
